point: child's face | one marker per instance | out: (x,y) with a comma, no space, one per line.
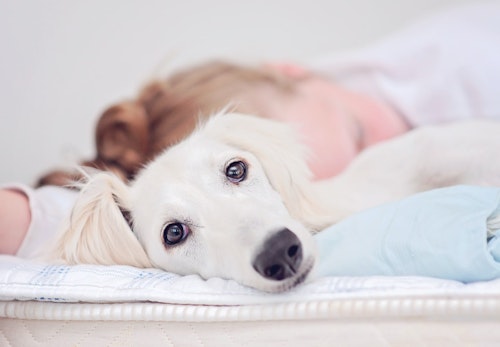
(334,123)
(333,135)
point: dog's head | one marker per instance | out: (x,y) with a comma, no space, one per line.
(230,201)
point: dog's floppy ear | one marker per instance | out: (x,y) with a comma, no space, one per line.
(98,231)
(283,157)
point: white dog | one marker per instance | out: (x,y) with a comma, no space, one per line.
(236,200)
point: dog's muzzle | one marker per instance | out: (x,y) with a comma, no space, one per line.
(280,256)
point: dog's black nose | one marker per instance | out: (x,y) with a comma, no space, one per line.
(280,256)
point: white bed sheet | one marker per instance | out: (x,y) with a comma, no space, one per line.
(24,280)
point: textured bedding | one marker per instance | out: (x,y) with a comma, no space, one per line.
(44,305)
(27,280)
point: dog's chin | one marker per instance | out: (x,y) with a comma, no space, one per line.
(289,283)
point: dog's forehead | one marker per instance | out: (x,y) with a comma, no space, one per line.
(189,161)
(198,151)
(174,178)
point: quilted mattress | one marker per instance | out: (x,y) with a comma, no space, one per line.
(48,305)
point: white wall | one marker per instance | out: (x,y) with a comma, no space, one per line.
(62,62)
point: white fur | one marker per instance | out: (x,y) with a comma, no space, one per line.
(229,222)
(464,152)
(187,184)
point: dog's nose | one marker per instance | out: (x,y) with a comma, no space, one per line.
(280,257)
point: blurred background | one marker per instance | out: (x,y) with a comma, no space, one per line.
(63,62)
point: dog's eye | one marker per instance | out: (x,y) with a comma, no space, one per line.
(174,233)
(236,171)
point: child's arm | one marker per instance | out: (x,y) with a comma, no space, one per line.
(31,218)
(15,218)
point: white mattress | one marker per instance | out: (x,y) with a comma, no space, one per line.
(46,305)
(342,322)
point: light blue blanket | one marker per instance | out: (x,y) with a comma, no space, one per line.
(440,233)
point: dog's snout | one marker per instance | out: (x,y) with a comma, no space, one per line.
(280,256)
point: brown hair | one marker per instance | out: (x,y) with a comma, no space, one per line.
(131,133)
